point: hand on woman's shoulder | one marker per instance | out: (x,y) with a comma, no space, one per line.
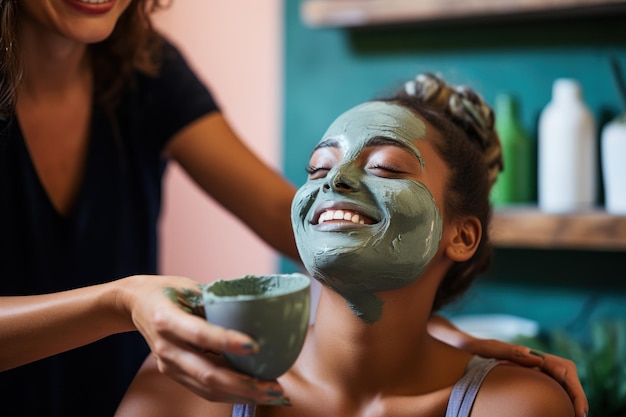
(515,391)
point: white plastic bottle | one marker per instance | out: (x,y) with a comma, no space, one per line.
(567,151)
(613,152)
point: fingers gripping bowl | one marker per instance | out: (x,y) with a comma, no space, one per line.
(273,309)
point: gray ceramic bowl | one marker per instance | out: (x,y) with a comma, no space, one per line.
(273,309)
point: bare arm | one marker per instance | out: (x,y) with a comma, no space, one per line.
(34,327)
(228,171)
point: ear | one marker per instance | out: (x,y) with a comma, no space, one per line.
(464,238)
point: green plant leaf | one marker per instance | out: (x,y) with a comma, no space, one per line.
(600,363)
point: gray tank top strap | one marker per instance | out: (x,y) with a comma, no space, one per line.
(465,390)
(244,410)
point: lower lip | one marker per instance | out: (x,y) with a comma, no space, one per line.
(337,226)
(92,8)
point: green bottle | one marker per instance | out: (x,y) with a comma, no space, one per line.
(515,184)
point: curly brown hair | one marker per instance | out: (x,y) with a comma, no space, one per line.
(134,45)
(470,146)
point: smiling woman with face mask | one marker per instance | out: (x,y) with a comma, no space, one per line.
(399,225)
(393,221)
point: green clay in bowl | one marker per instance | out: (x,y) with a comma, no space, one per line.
(273,309)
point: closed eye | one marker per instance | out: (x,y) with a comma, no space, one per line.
(316,172)
(384,170)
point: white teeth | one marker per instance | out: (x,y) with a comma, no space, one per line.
(93,1)
(340,215)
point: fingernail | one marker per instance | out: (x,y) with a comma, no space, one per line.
(274,393)
(585,414)
(537,353)
(250,346)
(279,401)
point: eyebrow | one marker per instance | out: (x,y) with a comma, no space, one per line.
(375,141)
(328,143)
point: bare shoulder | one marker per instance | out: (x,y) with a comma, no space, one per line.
(153,394)
(517,391)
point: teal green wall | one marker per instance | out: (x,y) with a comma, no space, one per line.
(328,71)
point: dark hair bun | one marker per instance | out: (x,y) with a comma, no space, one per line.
(467,109)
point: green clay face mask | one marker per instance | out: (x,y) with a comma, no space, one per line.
(403,229)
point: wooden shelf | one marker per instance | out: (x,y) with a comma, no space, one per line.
(345,13)
(530,228)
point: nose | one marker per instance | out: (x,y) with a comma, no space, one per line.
(340,181)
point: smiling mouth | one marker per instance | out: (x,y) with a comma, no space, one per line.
(328,216)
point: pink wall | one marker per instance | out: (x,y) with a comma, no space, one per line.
(235,48)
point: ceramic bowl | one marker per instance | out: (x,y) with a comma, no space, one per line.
(273,309)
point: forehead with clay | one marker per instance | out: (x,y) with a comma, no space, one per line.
(374,123)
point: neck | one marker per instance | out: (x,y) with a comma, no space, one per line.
(394,354)
(50,62)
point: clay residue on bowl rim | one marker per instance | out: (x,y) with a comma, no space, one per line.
(255,287)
